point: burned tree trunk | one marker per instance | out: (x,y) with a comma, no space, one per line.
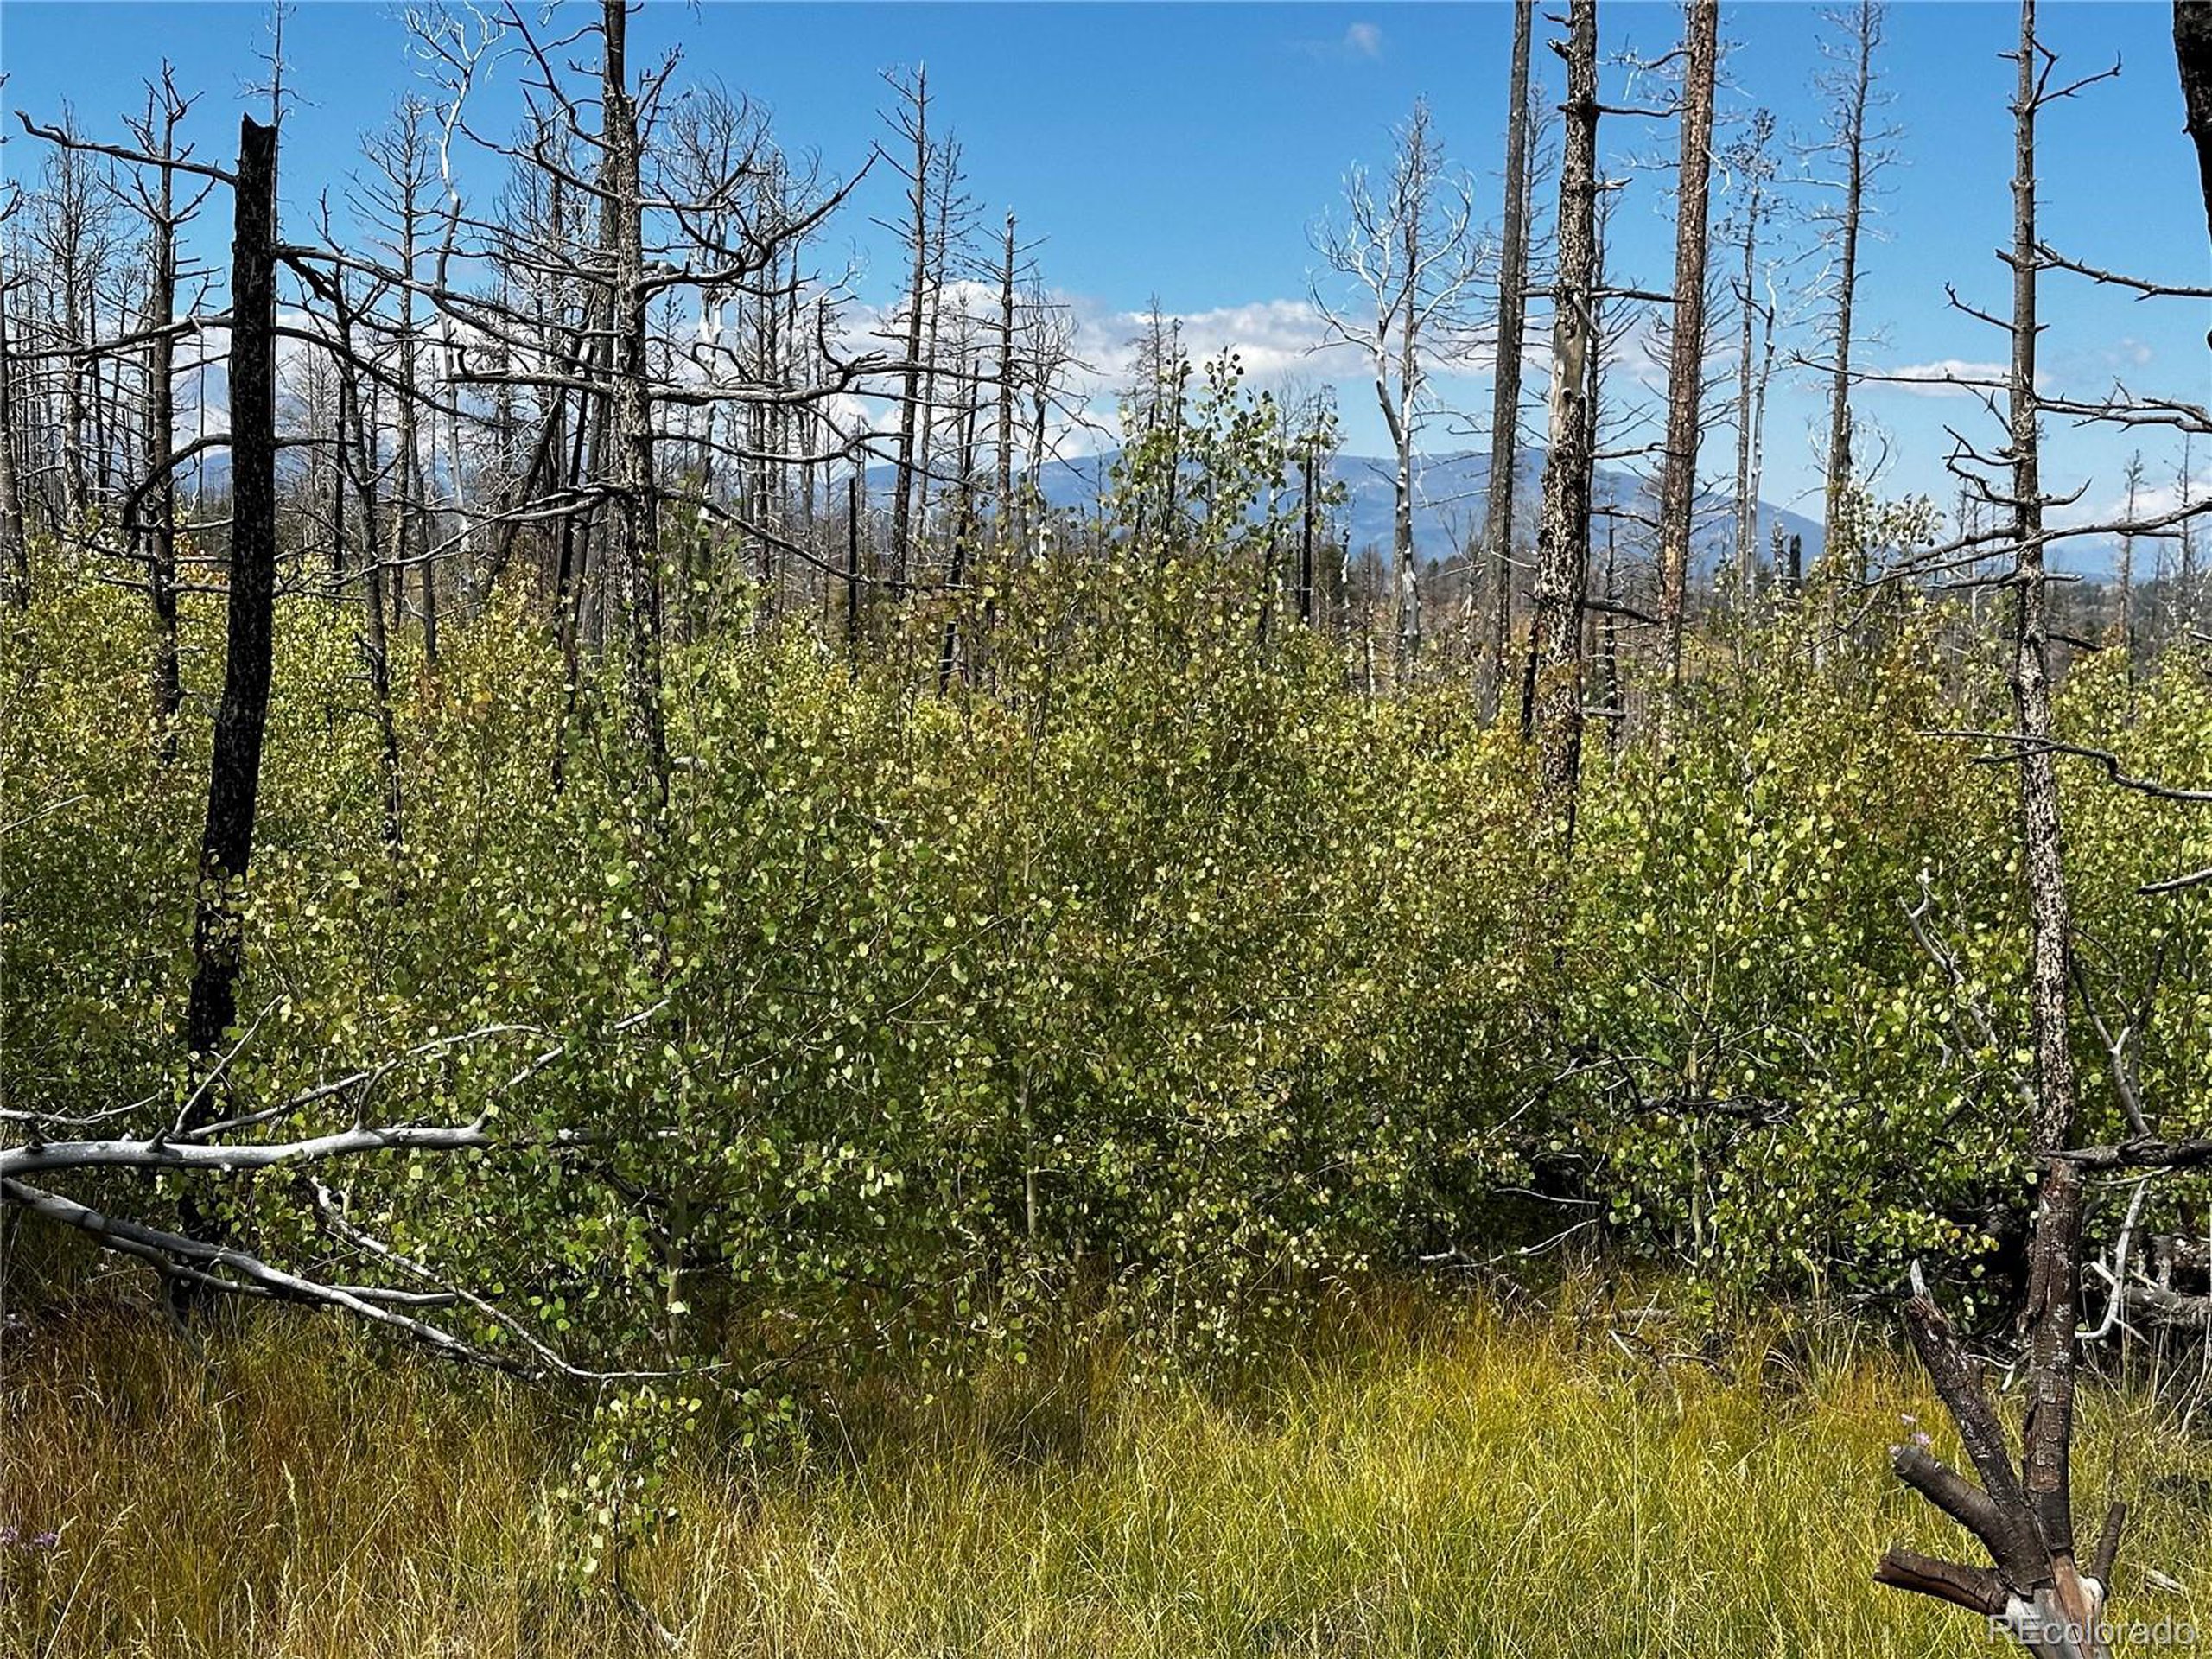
(1563,531)
(637,530)
(2025,1517)
(14,545)
(1686,362)
(1505,382)
(1858,99)
(355,445)
(158,510)
(234,779)
(2193,56)
(2050,921)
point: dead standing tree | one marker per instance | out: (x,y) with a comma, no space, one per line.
(1408,249)
(241,718)
(14,539)
(1685,367)
(663,230)
(1563,528)
(2047,1594)
(75,238)
(637,504)
(918,165)
(1505,375)
(403,157)
(156,134)
(1862,150)
(2193,57)
(1751,164)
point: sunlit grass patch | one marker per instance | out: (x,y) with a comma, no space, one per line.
(1441,1481)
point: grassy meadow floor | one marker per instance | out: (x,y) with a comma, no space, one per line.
(1437,1482)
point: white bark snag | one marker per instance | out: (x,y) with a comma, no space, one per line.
(1008,375)
(2050,1604)
(1686,364)
(1505,380)
(1563,528)
(902,508)
(1412,182)
(1409,257)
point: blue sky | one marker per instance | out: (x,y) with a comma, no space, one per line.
(1183,150)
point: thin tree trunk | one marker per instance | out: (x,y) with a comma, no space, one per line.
(2125,629)
(637,529)
(76,332)
(956,574)
(853,501)
(1006,376)
(1747,512)
(354,452)
(410,535)
(1758,433)
(14,542)
(1609,646)
(2048,914)
(1854,139)
(1686,364)
(2025,1520)
(1747,385)
(157,511)
(1563,529)
(1405,565)
(925,420)
(1505,385)
(909,391)
(1305,536)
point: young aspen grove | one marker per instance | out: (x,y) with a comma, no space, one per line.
(872,928)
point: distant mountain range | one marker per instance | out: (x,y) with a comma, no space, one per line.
(1450,499)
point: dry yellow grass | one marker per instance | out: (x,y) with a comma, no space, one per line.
(1437,1481)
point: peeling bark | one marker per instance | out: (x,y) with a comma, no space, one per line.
(1563,531)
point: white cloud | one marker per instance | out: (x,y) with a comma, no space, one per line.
(2154,500)
(1272,339)
(1944,377)
(1359,43)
